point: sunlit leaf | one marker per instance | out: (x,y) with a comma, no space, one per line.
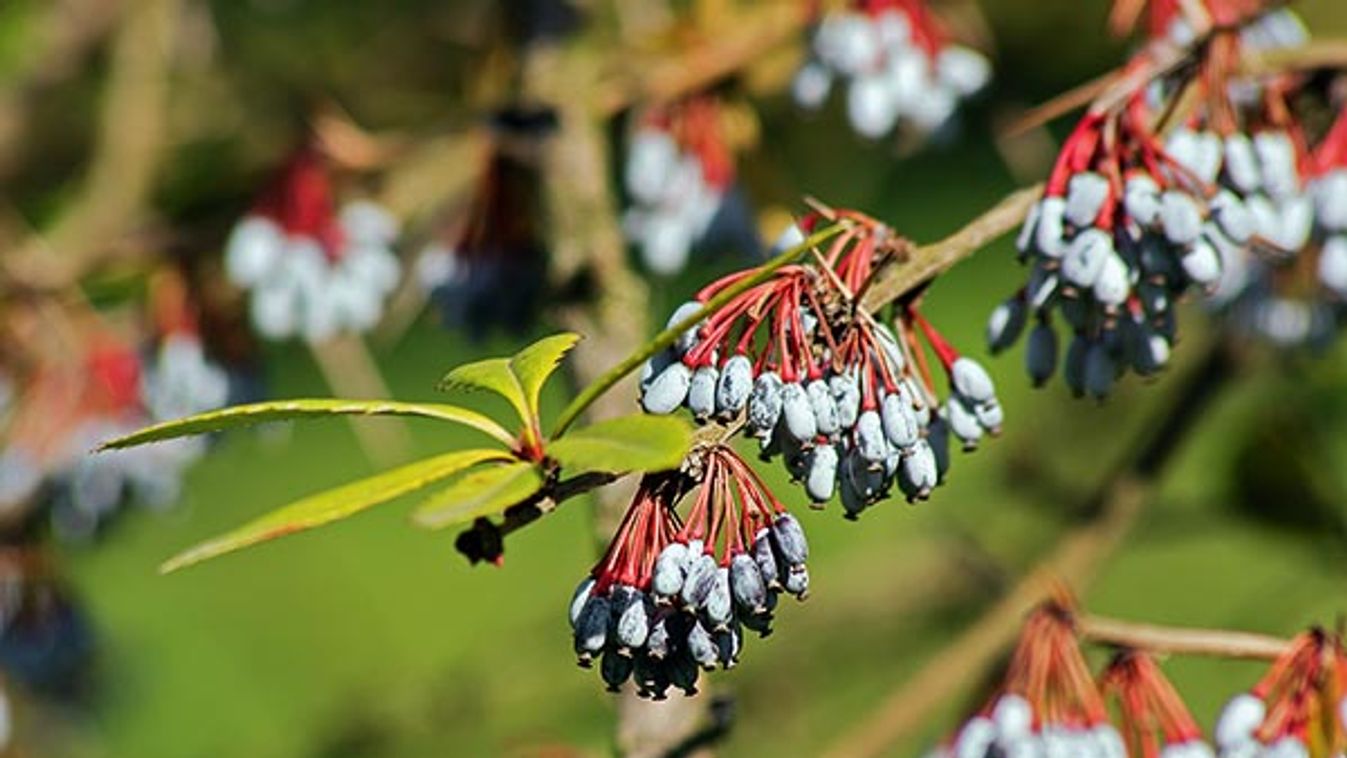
(535,363)
(491,375)
(335,504)
(291,410)
(631,443)
(480,493)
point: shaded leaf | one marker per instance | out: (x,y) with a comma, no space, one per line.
(480,493)
(631,443)
(534,364)
(335,504)
(291,410)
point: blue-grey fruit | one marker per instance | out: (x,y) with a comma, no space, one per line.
(736,382)
(669,572)
(846,393)
(1100,371)
(719,601)
(1073,370)
(615,669)
(591,629)
(667,390)
(702,392)
(659,642)
(963,421)
(687,340)
(821,480)
(797,581)
(798,413)
(764,404)
(899,421)
(1005,324)
(869,437)
(1086,193)
(788,538)
(579,598)
(825,407)
(700,581)
(765,557)
(972,380)
(702,647)
(633,625)
(746,584)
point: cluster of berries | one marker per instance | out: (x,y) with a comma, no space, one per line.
(311,270)
(848,402)
(1048,703)
(678,171)
(1296,710)
(63,410)
(671,596)
(1130,221)
(490,270)
(1154,720)
(899,63)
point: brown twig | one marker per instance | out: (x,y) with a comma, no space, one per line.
(1076,559)
(929,261)
(1168,640)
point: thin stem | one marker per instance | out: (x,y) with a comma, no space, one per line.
(1169,640)
(667,337)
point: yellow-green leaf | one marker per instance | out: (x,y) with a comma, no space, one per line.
(534,364)
(493,375)
(630,443)
(335,504)
(518,379)
(291,410)
(480,493)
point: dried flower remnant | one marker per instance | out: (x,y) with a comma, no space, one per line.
(311,270)
(898,65)
(670,598)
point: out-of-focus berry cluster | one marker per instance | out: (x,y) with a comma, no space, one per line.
(678,171)
(1296,710)
(313,271)
(1135,214)
(1048,703)
(490,270)
(849,403)
(62,410)
(897,63)
(670,596)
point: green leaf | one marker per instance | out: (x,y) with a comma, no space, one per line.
(518,379)
(492,375)
(335,504)
(480,493)
(535,364)
(629,443)
(291,410)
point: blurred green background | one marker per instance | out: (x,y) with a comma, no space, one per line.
(374,639)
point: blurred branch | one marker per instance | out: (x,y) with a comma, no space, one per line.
(929,261)
(126,155)
(1076,559)
(1179,641)
(59,42)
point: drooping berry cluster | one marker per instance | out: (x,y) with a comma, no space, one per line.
(669,597)
(312,271)
(1131,220)
(1154,720)
(1048,703)
(678,169)
(1296,708)
(849,403)
(898,62)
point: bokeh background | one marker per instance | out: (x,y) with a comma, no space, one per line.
(373,639)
